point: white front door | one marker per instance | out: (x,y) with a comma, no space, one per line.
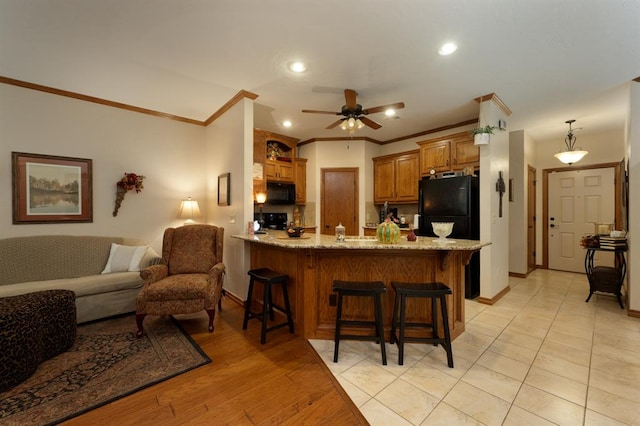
(577,200)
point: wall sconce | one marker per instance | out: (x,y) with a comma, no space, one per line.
(261,198)
(189,210)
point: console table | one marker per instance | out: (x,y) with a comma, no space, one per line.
(607,279)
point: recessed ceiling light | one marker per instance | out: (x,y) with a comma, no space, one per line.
(297,67)
(286,123)
(447,49)
(390,112)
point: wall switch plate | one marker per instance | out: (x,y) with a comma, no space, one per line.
(232,219)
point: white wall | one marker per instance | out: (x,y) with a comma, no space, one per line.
(229,149)
(632,137)
(517,207)
(494,158)
(168,153)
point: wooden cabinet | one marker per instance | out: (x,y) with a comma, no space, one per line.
(452,152)
(435,156)
(278,171)
(275,153)
(395,178)
(300,173)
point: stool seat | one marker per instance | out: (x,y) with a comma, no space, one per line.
(373,289)
(267,275)
(433,291)
(268,278)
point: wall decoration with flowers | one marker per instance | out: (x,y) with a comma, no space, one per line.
(129,182)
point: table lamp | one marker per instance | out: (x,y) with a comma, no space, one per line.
(261,197)
(189,210)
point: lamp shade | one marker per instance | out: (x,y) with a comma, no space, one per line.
(261,197)
(189,210)
(570,157)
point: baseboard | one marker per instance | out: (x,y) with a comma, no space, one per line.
(633,313)
(232,298)
(494,299)
(518,275)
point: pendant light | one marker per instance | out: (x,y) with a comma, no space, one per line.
(571,154)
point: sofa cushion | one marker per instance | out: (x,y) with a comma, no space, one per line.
(124,258)
(82,286)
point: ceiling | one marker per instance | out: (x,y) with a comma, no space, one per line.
(548,61)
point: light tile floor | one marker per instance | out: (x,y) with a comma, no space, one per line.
(539,356)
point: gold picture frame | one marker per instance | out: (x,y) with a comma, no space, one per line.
(224,189)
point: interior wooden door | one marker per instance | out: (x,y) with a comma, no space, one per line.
(531,219)
(339,200)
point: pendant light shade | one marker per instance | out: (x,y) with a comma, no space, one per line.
(571,154)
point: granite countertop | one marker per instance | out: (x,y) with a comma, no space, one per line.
(319,241)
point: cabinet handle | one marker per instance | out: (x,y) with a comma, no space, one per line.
(455,161)
(447,162)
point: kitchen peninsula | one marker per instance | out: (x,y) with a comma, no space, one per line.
(312,262)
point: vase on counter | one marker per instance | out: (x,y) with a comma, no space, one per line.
(411,236)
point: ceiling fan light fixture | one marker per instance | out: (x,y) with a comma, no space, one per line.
(571,154)
(351,123)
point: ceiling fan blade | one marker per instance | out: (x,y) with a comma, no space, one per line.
(334,124)
(397,105)
(350,98)
(314,111)
(369,122)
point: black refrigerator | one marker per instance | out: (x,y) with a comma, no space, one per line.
(454,199)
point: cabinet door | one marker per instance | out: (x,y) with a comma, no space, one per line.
(465,154)
(436,156)
(285,173)
(407,174)
(279,171)
(383,180)
(270,170)
(301,180)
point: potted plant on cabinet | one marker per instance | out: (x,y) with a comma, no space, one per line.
(481,134)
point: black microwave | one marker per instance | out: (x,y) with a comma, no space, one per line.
(281,193)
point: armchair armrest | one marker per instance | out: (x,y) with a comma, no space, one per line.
(154,273)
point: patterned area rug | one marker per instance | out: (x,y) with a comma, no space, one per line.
(105,363)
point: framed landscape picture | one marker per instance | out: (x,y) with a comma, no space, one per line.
(50,189)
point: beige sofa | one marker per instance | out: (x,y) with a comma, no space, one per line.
(29,264)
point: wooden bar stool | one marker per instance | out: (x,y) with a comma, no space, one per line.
(268,278)
(433,291)
(373,289)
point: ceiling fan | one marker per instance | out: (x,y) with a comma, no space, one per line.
(353,113)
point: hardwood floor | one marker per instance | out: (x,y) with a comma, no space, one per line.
(281,382)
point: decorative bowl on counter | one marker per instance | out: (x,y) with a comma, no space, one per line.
(442,229)
(295,231)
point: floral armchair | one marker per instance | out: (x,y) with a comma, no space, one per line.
(189,277)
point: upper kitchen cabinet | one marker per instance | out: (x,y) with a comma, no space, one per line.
(275,153)
(395,178)
(300,170)
(452,152)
